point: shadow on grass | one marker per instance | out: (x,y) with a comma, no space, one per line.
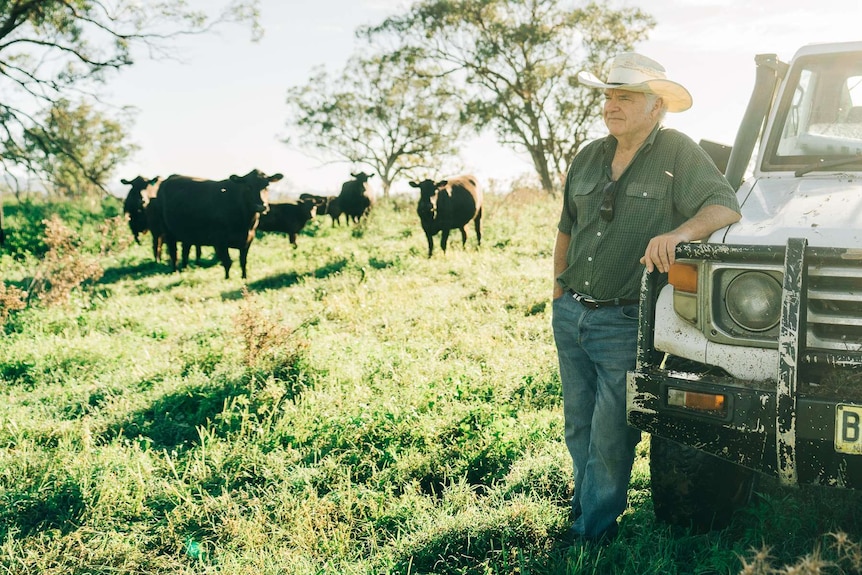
(292,278)
(50,503)
(17,372)
(172,420)
(137,271)
(477,549)
(151,268)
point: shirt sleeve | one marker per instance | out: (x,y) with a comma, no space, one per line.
(698,181)
(568,214)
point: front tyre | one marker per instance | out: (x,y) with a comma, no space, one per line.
(694,489)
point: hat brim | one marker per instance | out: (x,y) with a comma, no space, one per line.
(675,96)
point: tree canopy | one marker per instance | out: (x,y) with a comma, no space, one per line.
(78,146)
(518,60)
(56,51)
(377,112)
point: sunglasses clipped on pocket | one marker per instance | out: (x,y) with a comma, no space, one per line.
(606,209)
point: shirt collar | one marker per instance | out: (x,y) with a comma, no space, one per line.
(610,143)
(609,146)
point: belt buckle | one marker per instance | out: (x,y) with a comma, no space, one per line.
(586,302)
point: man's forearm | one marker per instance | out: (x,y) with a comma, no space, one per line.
(705,221)
(660,250)
(561,246)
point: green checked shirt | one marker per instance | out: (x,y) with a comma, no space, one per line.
(667,182)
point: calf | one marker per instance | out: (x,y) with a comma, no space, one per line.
(135,204)
(326,205)
(288,218)
(448,205)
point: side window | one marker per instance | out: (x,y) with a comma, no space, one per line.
(792,126)
(854,93)
(797,116)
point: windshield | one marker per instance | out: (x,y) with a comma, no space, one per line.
(820,117)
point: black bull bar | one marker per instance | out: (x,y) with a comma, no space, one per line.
(771,427)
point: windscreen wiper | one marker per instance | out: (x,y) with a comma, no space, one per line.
(830,164)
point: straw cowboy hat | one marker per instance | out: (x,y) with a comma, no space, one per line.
(636,73)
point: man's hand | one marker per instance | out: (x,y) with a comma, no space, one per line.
(660,252)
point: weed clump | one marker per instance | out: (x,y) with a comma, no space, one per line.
(271,347)
(258,333)
(11,299)
(64,267)
(842,555)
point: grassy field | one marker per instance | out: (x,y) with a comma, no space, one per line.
(352,408)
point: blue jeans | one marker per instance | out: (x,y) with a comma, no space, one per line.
(595,348)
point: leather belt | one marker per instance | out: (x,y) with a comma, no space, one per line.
(597,303)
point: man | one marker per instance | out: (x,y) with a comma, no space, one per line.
(630,198)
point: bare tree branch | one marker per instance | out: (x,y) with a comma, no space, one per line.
(51,49)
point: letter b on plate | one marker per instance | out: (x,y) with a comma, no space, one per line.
(848,428)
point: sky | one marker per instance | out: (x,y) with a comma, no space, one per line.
(222,110)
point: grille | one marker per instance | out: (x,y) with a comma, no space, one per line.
(835,308)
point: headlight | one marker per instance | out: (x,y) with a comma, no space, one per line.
(753,300)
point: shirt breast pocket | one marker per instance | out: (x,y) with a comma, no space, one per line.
(583,198)
(647,191)
(584,187)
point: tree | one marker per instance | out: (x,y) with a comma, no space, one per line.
(379,114)
(53,50)
(77,148)
(518,59)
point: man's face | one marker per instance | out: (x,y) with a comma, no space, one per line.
(628,113)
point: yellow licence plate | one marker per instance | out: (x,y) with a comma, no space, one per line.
(848,429)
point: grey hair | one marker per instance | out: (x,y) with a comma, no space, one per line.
(650,102)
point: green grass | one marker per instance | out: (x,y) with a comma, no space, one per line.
(352,408)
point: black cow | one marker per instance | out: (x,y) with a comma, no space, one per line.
(223,214)
(326,205)
(142,210)
(157,230)
(356,197)
(288,217)
(136,202)
(448,205)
